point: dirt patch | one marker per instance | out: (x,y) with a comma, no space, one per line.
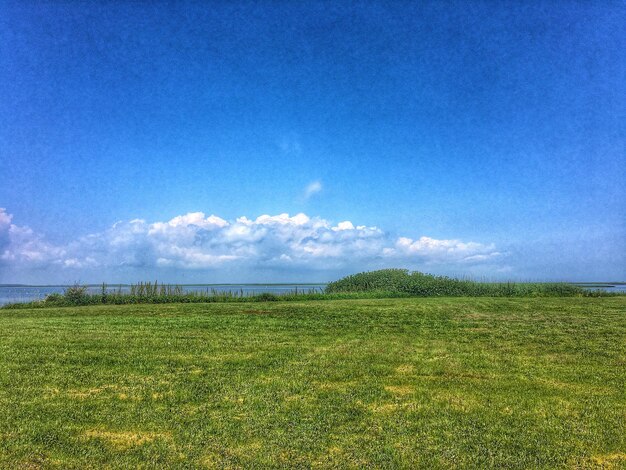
(91,392)
(123,440)
(405,369)
(615,460)
(574,387)
(50,393)
(385,408)
(290,398)
(400,389)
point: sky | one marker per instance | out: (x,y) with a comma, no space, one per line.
(302,141)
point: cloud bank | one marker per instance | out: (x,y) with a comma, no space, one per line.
(195,241)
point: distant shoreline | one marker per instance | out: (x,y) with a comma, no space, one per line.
(582,284)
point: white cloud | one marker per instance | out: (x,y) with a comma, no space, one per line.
(433,250)
(5,219)
(345,225)
(197,241)
(312,188)
(20,245)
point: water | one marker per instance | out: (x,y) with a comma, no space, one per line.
(12,294)
(607,287)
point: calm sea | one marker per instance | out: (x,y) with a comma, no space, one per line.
(11,294)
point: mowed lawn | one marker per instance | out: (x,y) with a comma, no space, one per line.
(404,383)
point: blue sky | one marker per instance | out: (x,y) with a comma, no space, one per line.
(495,130)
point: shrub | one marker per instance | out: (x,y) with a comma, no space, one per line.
(55,297)
(76,295)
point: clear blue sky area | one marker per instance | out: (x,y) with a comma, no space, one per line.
(495,123)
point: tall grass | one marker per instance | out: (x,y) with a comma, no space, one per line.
(426,285)
(385,283)
(155,293)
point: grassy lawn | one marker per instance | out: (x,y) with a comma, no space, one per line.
(402,383)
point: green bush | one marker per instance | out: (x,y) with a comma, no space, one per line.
(402,281)
(55,297)
(77,295)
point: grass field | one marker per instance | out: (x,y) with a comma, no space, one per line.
(384,383)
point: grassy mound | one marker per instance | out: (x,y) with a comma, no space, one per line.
(402,281)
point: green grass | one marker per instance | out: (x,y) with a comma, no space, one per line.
(393,383)
(427,285)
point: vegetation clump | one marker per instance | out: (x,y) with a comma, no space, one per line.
(403,281)
(155,293)
(75,295)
